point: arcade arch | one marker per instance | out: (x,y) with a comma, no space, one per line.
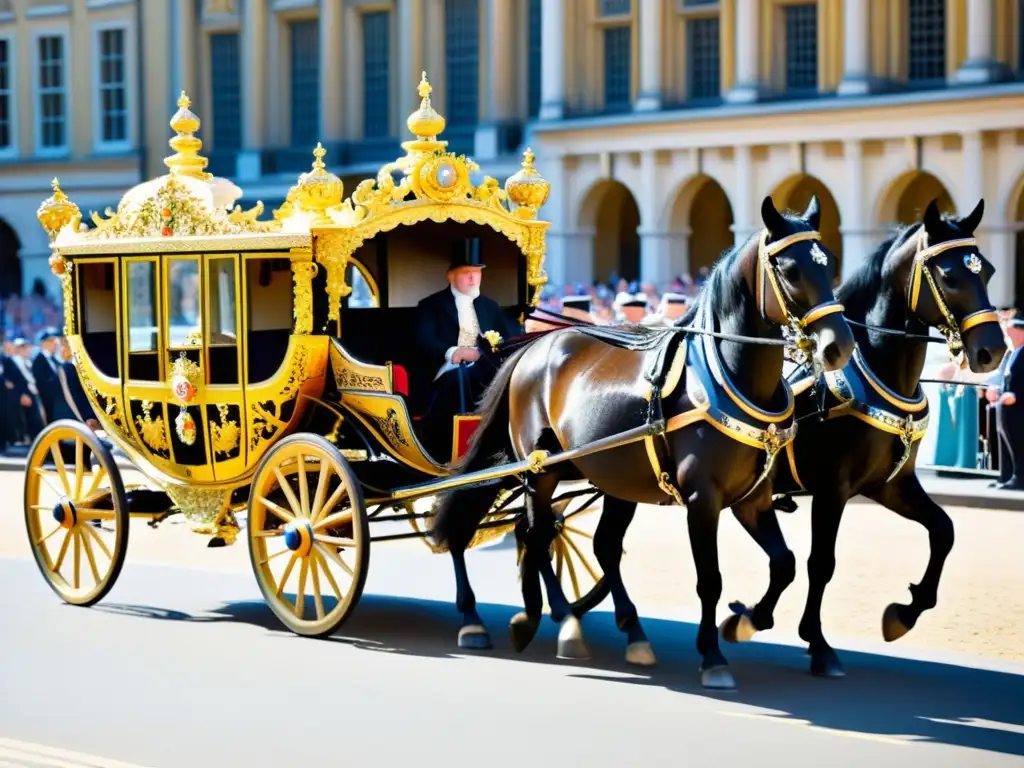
(907,197)
(10,261)
(794,194)
(610,211)
(702,209)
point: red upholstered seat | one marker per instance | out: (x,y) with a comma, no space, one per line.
(401,379)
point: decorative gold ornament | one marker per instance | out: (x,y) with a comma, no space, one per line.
(224,435)
(425,124)
(527,188)
(494,339)
(973,263)
(57,211)
(185,427)
(303,273)
(152,431)
(319,189)
(186,160)
(199,505)
(185,378)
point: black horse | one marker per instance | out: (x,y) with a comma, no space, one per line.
(863,424)
(726,412)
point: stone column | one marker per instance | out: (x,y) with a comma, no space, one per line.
(973,172)
(980,65)
(552,56)
(254,88)
(410,61)
(663,256)
(183,49)
(854,228)
(747,87)
(856,48)
(746,214)
(498,33)
(651,12)
(332,83)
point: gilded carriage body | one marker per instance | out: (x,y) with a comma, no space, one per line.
(262,364)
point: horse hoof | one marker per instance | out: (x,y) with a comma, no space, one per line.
(571,644)
(718,678)
(475,638)
(738,628)
(640,654)
(826,664)
(893,627)
(521,630)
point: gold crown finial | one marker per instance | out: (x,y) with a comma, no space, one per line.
(424,87)
(527,188)
(186,161)
(425,123)
(319,189)
(57,211)
(319,154)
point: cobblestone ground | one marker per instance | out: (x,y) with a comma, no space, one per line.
(981,604)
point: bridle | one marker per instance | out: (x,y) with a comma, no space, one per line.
(767,276)
(950,329)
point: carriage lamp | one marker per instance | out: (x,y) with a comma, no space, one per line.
(527,188)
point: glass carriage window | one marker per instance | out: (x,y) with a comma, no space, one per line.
(5,94)
(704,60)
(534,64)
(462,60)
(226,82)
(142,306)
(802,47)
(305,76)
(52,101)
(183,311)
(221,290)
(926,29)
(617,67)
(376,93)
(97,313)
(113,89)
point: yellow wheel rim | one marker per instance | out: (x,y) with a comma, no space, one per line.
(75,513)
(572,550)
(308,535)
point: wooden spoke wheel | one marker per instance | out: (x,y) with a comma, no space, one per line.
(309,535)
(76,514)
(576,566)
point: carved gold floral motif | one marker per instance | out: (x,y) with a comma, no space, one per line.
(225,434)
(346,378)
(391,428)
(153,432)
(303,273)
(265,423)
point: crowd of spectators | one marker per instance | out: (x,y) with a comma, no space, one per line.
(607,297)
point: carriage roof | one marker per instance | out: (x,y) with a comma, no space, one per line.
(188,210)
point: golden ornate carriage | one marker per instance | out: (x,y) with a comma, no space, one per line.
(261,365)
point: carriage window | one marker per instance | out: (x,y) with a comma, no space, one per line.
(183,310)
(363,295)
(98,314)
(221,321)
(142,323)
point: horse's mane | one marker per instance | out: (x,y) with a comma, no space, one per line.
(860,292)
(718,284)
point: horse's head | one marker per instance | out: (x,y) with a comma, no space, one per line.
(793,284)
(947,286)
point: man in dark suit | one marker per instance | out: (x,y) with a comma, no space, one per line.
(44,369)
(1009,384)
(24,391)
(73,402)
(451,326)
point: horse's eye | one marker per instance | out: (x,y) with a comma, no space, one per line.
(790,272)
(949,278)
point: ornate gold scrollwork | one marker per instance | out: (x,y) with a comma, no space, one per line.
(303,273)
(153,431)
(224,435)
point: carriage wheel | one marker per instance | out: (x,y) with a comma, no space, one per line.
(76,514)
(575,564)
(309,536)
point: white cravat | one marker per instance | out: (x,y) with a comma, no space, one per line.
(469,329)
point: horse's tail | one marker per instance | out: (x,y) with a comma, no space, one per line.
(490,445)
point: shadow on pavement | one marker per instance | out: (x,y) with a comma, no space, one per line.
(881,695)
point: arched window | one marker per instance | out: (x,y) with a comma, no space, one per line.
(462,61)
(926,41)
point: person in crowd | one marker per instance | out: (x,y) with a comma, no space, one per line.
(1006,395)
(578,308)
(452,326)
(672,307)
(631,308)
(44,370)
(26,392)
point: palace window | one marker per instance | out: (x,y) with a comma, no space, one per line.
(113,87)
(801,47)
(926,43)
(617,67)
(534,45)
(6,116)
(615,7)
(376,93)
(52,94)
(226,81)
(704,58)
(462,61)
(305,90)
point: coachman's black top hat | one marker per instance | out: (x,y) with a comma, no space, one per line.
(576,302)
(466,253)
